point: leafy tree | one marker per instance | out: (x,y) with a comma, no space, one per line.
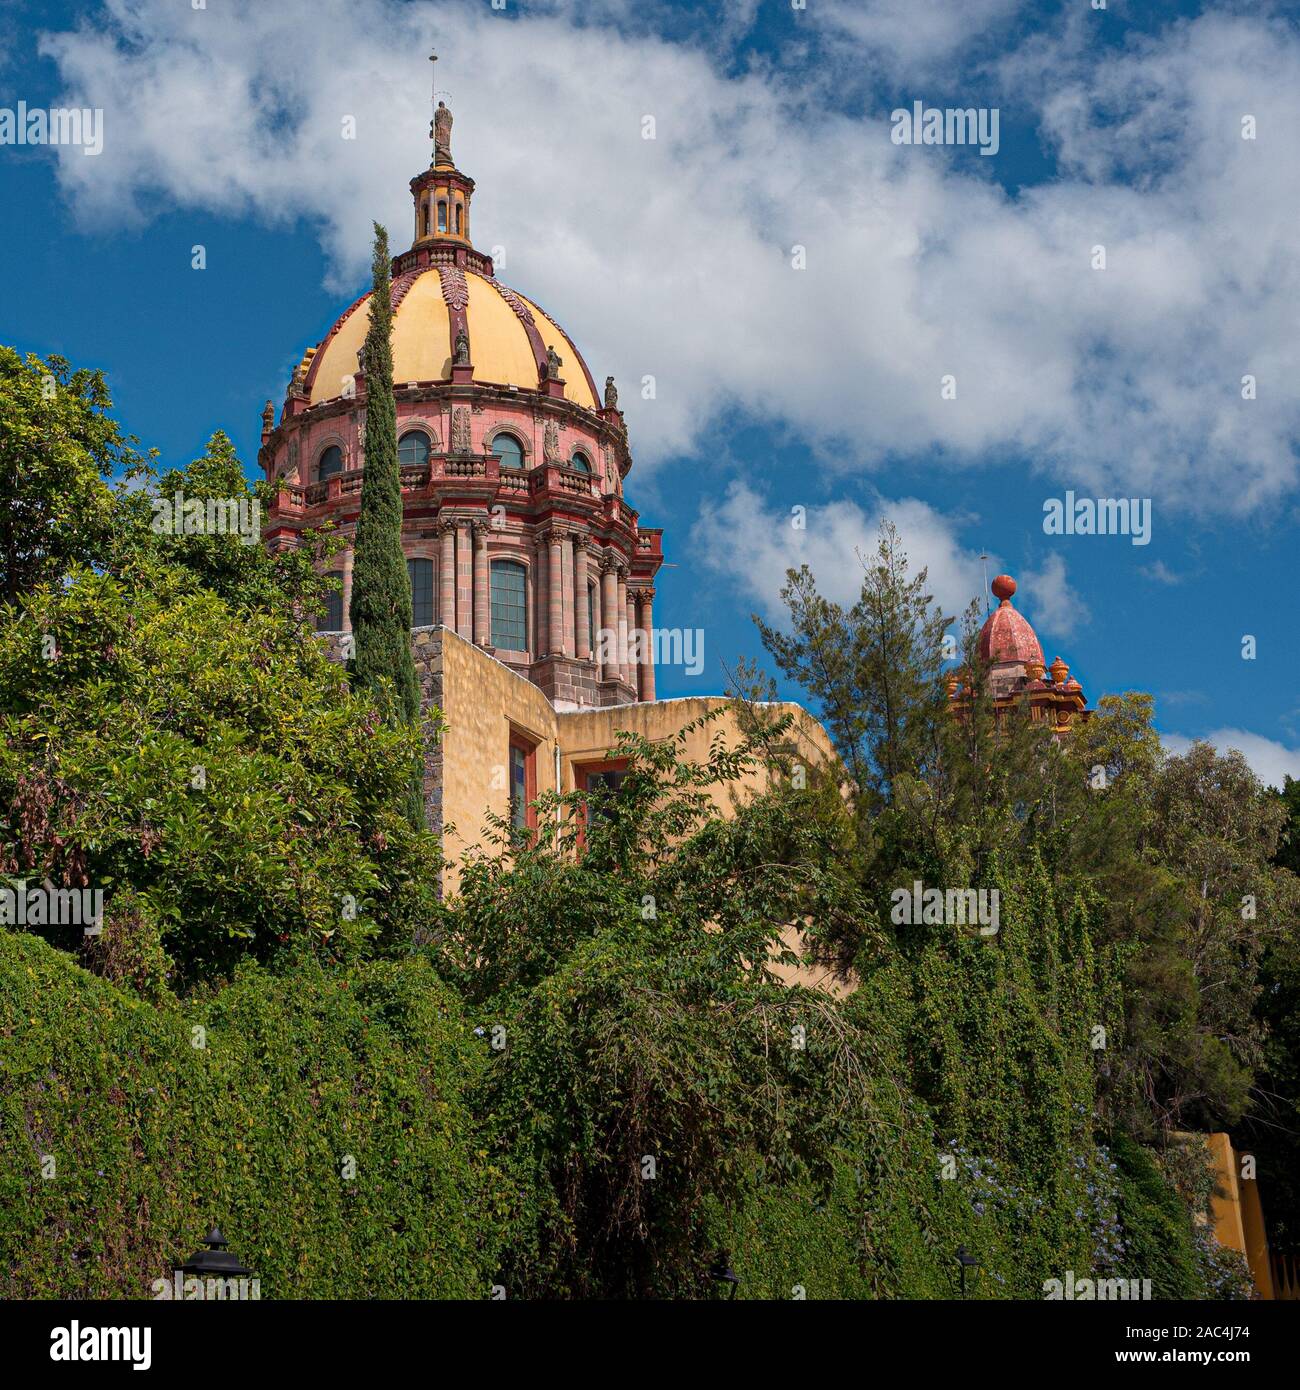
(58,446)
(172,734)
(1272,1127)
(1177,849)
(210,760)
(647,1063)
(381,591)
(241,571)
(629,984)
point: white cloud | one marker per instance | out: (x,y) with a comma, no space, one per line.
(1049,601)
(1271,761)
(752,544)
(1162,574)
(911,35)
(671,257)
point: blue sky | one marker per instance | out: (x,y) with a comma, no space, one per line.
(776,387)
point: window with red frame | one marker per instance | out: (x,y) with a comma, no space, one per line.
(523,782)
(601,782)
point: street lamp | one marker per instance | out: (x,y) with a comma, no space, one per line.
(216,1262)
(966,1260)
(724,1274)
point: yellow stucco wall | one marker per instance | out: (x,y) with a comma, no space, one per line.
(587,736)
(1237,1212)
(483,701)
(1252,1223)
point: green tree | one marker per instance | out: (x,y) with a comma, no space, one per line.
(171,733)
(380,610)
(58,446)
(208,763)
(631,978)
(873,668)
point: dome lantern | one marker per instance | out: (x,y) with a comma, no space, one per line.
(442,193)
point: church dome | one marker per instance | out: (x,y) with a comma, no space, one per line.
(509,337)
(453,320)
(1006,635)
(514,527)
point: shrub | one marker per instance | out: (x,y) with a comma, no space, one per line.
(152,1138)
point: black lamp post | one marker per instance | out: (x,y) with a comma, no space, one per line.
(967,1261)
(216,1262)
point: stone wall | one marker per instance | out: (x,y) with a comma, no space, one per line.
(426,649)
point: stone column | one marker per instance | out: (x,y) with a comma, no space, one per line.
(566,590)
(582,604)
(633,645)
(482,609)
(609,613)
(464,581)
(646,623)
(447,575)
(595,611)
(625,671)
(541,597)
(560,639)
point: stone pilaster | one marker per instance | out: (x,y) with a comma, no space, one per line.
(555,567)
(482,604)
(625,672)
(542,596)
(464,581)
(609,613)
(582,603)
(566,592)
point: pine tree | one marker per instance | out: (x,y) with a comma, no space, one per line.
(380,610)
(874,668)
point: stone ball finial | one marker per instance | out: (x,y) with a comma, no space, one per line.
(1003,587)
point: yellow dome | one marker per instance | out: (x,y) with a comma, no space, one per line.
(508,337)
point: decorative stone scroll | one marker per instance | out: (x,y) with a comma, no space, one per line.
(551,443)
(522,311)
(455,290)
(397,290)
(460,439)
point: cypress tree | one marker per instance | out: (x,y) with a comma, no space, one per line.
(380,609)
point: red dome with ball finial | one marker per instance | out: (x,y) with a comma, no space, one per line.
(1006,635)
